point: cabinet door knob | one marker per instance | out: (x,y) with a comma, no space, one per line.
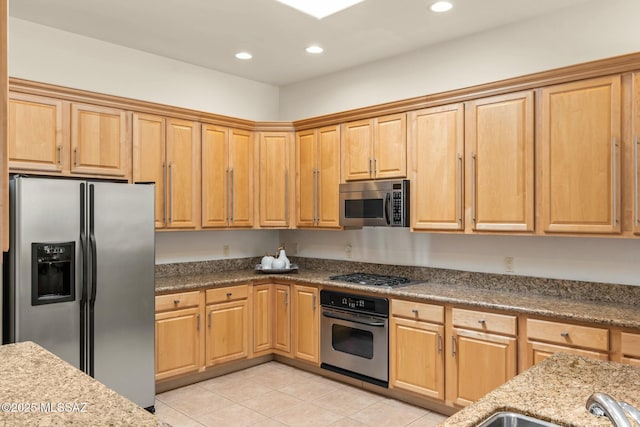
(229,294)
(564,334)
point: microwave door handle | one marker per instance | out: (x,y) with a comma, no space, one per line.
(387,208)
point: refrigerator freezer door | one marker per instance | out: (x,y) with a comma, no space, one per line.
(124,322)
(45,211)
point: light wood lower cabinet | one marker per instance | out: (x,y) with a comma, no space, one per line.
(282,319)
(227,331)
(479,359)
(630,348)
(416,348)
(178,334)
(544,338)
(263,318)
(306,323)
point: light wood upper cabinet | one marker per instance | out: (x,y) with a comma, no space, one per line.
(183,174)
(318,177)
(375,148)
(37,138)
(635,134)
(167,152)
(436,147)
(149,158)
(227,177)
(100,141)
(275,191)
(306,323)
(499,141)
(580,156)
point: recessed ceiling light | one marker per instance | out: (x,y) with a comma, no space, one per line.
(244,55)
(320,8)
(441,6)
(314,49)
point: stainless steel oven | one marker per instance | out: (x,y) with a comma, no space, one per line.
(355,336)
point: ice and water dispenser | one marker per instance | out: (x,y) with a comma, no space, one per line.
(52,272)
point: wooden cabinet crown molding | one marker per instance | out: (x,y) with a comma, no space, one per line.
(597,68)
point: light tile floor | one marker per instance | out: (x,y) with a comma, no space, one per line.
(274,394)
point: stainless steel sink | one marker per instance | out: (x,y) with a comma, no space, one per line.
(512,419)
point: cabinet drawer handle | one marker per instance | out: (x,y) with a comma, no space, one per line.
(229,294)
(415,311)
(564,334)
(176,301)
(482,322)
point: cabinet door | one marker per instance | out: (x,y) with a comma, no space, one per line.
(282,319)
(328,178)
(183,174)
(357,150)
(499,137)
(480,363)
(580,136)
(241,176)
(227,332)
(100,141)
(149,161)
(306,320)
(436,144)
(636,152)
(390,147)
(36,137)
(416,357)
(177,342)
(262,317)
(274,179)
(215,176)
(306,197)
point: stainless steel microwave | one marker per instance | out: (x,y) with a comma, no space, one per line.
(382,203)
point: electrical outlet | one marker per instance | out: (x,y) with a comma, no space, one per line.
(225,250)
(508,264)
(347,250)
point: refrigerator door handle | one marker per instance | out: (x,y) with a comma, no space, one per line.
(83,276)
(94,274)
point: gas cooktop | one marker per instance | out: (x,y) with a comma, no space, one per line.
(377,280)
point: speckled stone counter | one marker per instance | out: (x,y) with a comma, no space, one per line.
(556,390)
(613,305)
(39,389)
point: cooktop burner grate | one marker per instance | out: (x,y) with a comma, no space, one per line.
(373,279)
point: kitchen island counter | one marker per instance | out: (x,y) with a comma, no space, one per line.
(520,300)
(556,390)
(39,388)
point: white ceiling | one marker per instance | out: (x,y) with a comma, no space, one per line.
(209,32)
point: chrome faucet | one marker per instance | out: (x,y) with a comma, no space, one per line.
(632,411)
(603,405)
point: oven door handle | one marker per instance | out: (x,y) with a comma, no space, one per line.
(352,319)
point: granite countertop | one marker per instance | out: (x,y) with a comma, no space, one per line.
(38,388)
(518,300)
(556,390)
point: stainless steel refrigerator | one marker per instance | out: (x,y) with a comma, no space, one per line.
(81,278)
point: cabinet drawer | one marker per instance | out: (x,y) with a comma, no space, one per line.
(630,344)
(568,334)
(417,311)
(489,322)
(229,293)
(175,301)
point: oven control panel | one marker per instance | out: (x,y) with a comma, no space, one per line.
(360,303)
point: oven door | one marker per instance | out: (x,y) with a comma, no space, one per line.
(365,208)
(355,345)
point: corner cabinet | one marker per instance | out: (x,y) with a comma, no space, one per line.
(482,354)
(167,151)
(416,343)
(275,189)
(499,160)
(179,334)
(580,156)
(375,148)
(306,323)
(227,177)
(436,147)
(318,177)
